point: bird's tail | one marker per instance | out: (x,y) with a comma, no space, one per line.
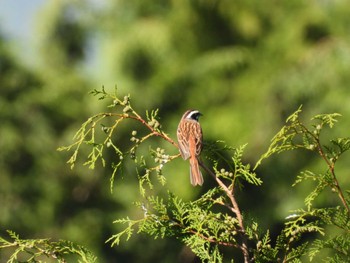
(195,174)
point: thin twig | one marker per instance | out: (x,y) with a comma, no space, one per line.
(209,239)
(139,119)
(330,167)
(235,209)
(336,182)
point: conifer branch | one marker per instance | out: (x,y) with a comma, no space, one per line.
(235,209)
(335,180)
(330,164)
(138,118)
(196,223)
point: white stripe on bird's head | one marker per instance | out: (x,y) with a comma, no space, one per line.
(193,115)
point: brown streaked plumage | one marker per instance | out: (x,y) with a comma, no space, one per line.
(190,137)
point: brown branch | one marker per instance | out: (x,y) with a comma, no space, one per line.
(139,119)
(336,182)
(330,167)
(212,240)
(235,209)
(209,239)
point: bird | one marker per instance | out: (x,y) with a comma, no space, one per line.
(190,139)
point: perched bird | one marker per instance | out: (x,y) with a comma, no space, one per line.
(190,138)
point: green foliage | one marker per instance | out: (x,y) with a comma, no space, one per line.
(90,134)
(295,135)
(43,250)
(249,62)
(214,220)
(193,223)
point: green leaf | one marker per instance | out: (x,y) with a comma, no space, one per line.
(329,119)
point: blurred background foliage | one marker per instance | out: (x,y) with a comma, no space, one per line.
(245,64)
